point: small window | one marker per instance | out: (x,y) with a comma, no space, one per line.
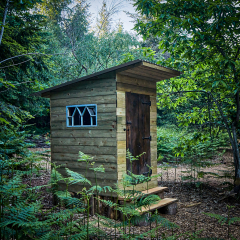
(82,115)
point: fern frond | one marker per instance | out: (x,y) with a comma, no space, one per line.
(76,177)
(234,219)
(221,219)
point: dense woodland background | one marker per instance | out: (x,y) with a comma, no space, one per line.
(48,42)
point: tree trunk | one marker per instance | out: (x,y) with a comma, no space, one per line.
(236,157)
(4,19)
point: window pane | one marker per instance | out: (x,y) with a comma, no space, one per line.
(69,121)
(92,110)
(70,111)
(86,118)
(94,121)
(81,109)
(77,118)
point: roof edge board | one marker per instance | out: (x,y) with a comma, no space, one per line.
(158,67)
(133,75)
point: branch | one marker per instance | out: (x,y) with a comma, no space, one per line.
(44,54)
(16,85)
(15,64)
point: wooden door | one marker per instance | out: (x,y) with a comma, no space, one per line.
(138,131)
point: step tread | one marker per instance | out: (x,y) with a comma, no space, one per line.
(149,191)
(162,203)
(155,190)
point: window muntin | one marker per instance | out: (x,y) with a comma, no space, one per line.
(81,115)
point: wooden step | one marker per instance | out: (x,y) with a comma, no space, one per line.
(157,191)
(167,206)
(162,203)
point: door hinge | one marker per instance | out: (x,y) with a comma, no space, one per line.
(148,103)
(150,138)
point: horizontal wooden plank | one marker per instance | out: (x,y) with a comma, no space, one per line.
(106,125)
(121,111)
(121,99)
(121,158)
(110,99)
(149,73)
(153,121)
(101,108)
(94,83)
(121,136)
(153,115)
(136,81)
(135,89)
(121,144)
(81,166)
(84,149)
(154,170)
(90,174)
(138,75)
(78,187)
(153,128)
(101,116)
(162,203)
(160,68)
(141,186)
(81,132)
(153,99)
(153,145)
(74,156)
(122,151)
(153,156)
(121,119)
(101,83)
(121,167)
(100,142)
(121,127)
(86,93)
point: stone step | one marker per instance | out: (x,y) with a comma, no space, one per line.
(157,191)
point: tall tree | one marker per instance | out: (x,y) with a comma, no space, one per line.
(203,40)
(23,70)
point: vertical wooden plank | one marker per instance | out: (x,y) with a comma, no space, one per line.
(133,135)
(144,113)
(121,134)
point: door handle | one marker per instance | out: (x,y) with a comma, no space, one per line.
(150,138)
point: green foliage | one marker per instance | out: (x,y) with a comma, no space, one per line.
(176,143)
(189,31)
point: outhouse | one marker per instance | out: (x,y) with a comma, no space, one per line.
(104,114)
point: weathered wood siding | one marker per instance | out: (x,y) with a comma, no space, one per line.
(97,141)
(140,86)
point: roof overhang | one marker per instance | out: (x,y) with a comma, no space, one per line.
(137,69)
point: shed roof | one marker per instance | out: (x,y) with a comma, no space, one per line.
(137,69)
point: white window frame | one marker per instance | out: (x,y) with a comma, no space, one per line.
(81,114)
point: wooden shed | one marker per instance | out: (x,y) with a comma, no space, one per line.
(103,115)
